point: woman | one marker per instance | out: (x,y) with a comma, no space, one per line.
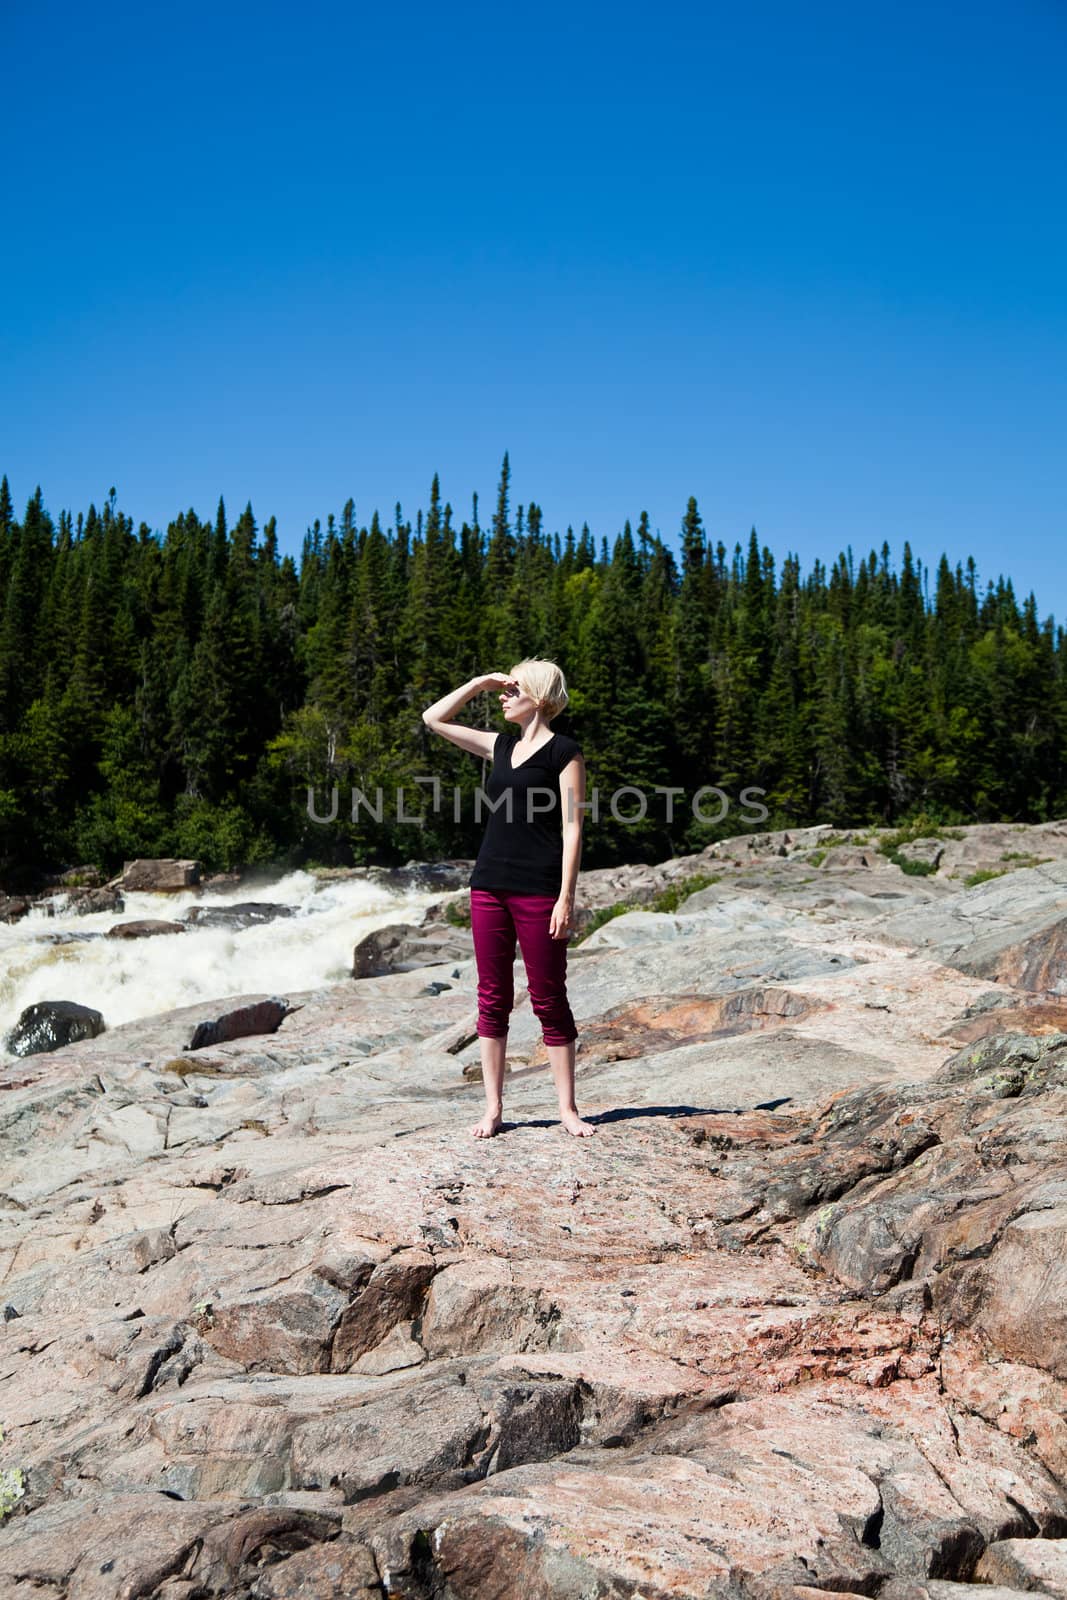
(523,881)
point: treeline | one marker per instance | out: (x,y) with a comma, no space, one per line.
(177,695)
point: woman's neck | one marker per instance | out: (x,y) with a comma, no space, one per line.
(532,728)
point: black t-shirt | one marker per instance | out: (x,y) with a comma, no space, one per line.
(522,847)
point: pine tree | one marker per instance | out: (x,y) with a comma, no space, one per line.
(22,645)
(695,694)
(501,555)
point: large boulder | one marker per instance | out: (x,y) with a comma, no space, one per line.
(246,914)
(146,928)
(165,875)
(416,876)
(84,902)
(923,852)
(86,877)
(854,855)
(221,880)
(50,1024)
(12,907)
(262,1016)
(401,947)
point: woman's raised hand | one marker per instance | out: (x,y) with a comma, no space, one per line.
(494,680)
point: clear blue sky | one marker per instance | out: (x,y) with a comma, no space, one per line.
(806,262)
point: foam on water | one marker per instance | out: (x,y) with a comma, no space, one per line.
(127,979)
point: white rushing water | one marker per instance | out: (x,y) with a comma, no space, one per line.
(126,979)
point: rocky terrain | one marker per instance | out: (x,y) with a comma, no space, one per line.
(793,1321)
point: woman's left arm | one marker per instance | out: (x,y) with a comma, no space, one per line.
(572,797)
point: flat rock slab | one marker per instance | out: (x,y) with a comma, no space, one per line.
(790,1323)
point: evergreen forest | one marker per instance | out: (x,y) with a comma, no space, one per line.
(177,694)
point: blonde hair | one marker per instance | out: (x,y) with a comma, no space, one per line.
(543,682)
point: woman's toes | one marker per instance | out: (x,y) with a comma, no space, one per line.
(574,1124)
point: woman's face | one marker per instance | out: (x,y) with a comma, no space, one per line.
(515,702)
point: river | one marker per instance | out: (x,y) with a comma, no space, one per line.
(127,979)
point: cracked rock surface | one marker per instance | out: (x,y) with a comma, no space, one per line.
(793,1322)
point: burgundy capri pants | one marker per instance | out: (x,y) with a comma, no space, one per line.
(498,916)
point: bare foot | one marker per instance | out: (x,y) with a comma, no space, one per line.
(574,1124)
(488,1125)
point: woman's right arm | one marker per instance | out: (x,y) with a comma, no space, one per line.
(439,716)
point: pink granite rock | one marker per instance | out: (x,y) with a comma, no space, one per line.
(790,1324)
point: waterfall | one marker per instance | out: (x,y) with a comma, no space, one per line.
(127,979)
